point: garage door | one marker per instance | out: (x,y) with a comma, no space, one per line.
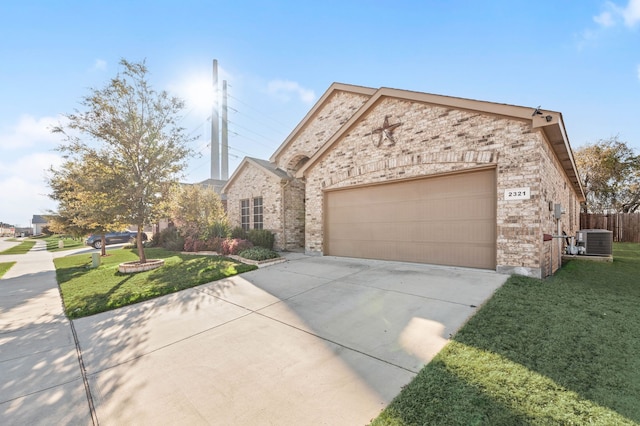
(446,220)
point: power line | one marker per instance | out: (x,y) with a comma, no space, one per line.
(251,131)
(258,111)
(249,139)
(281,132)
(199,126)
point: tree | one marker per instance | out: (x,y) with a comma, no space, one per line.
(83,189)
(135,139)
(610,172)
(197,207)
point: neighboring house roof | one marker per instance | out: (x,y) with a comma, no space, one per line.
(549,121)
(216,184)
(266,166)
(39,219)
(335,87)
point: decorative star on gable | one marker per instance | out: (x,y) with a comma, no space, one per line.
(386,132)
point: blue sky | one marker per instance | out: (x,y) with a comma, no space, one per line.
(581,58)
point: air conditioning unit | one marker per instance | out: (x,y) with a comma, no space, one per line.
(596,242)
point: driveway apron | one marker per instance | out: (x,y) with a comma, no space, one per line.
(40,374)
(314,340)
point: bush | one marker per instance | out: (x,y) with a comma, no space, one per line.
(261,238)
(259,253)
(235,245)
(239,233)
(219,229)
(193,243)
(169,239)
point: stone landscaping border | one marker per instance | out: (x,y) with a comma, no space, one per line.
(136,266)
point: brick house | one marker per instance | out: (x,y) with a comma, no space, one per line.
(400,175)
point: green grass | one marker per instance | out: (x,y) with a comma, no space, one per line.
(565,350)
(69,243)
(21,248)
(5,266)
(87,291)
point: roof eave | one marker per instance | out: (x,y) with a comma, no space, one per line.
(246,161)
(335,87)
(560,142)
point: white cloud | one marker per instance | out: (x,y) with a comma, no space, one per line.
(27,199)
(631,13)
(605,19)
(24,182)
(283,89)
(29,132)
(99,65)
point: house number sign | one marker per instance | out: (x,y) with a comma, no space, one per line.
(517,194)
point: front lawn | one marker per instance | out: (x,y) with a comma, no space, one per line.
(5,266)
(21,248)
(560,351)
(69,243)
(87,291)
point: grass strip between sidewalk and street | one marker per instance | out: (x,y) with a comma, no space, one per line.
(21,248)
(87,291)
(558,351)
(5,266)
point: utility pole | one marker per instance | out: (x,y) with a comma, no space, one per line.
(225,134)
(215,130)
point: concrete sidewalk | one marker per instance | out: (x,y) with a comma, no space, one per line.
(40,378)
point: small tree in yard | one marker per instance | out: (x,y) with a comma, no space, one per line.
(136,144)
(82,188)
(197,207)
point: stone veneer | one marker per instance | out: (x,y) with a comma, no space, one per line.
(434,140)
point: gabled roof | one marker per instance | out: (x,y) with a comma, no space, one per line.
(549,121)
(266,166)
(39,219)
(335,87)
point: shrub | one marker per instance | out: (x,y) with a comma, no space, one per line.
(219,229)
(261,238)
(234,246)
(239,233)
(194,243)
(169,239)
(259,253)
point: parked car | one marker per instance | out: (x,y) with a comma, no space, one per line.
(95,240)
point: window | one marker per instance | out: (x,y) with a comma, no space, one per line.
(245,214)
(257,213)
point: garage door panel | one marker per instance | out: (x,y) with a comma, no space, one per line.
(447,220)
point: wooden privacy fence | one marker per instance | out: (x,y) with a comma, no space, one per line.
(625,226)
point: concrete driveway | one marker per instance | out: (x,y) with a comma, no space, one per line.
(315,340)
